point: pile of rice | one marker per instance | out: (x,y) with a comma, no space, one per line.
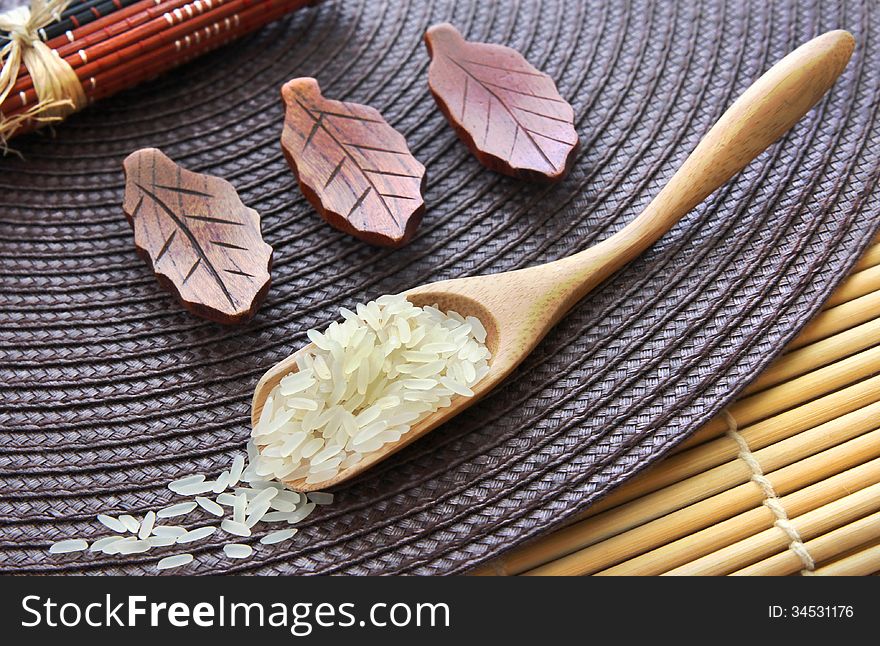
(364,383)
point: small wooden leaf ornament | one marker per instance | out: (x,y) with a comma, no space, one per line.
(201,241)
(353,167)
(508,113)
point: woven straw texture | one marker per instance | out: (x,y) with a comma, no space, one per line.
(110,390)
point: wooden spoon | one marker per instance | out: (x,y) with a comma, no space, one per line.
(519,307)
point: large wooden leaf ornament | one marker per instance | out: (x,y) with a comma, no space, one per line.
(508,113)
(353,167)
(201,241)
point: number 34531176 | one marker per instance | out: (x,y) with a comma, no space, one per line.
(811,612)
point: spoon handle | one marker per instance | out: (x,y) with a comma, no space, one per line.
(764,112)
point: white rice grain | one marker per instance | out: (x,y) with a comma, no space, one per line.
(68,545)
(101,543)
(174,561)
(113,524)
(195,488)
(239,508)
(116,546)
(301,513)
(236,470)
(278,536)
(169,530)
(147,523)
(256,512)
(238,550)
(227,499)
(320,497)
(282,505)
(196,534)
(276,516)
(131,523)
(176,485)
(161,541)
(234,527)
(134,547)
(221,483)
(180,509)
(209,506)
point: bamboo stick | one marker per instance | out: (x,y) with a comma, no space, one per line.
(113,28)
(861,564)
(125,49)
(819,354)
(731,474)
(871,258)
(603,548)
(823,548)
(94,32)
(107,28)
(869,543)
(714,452)
(182,50)
(855,285)
(808,525)
(718,535)
(790,394)
(838,319)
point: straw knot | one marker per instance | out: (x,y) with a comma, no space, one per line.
(771,498)
(56,85)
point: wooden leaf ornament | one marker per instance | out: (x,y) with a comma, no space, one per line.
(354,168)
(201,241)
(508,113)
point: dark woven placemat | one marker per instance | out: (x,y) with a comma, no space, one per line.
(110,390)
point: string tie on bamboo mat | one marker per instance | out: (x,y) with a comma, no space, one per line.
(771,499)
(59,91)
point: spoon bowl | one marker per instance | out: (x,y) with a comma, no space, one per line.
(518,308)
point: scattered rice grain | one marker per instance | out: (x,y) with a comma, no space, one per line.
(238,550)
(174,561)
(68,545)
(161,541)
(176,485)
(113,524)
(131,523)
(134,547)
(320,497)
(235,527)
(169,530)
(209,506)
(147,525)
(180,509)
(196,534)
(278,536)
(101,543)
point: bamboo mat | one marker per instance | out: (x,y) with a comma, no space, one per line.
(785,481)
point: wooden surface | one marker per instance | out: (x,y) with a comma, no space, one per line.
(518,308)
(507,112)
(201,241)
(815,432)
(354,168)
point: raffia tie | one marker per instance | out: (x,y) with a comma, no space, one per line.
(771,499)
(59,91)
